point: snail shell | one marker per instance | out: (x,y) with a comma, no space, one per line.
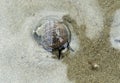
(52,34)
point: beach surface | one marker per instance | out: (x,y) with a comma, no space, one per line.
(95,39)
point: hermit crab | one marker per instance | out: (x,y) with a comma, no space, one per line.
(53,35)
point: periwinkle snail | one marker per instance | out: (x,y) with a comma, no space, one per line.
(53,35)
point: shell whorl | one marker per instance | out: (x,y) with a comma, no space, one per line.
(52,33)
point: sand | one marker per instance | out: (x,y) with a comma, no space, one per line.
(94,22)
(99,51)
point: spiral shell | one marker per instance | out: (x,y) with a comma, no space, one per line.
(52,34)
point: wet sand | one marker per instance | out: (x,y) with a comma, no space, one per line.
(97,51)
(22,60)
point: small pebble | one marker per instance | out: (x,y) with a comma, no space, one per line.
(94,65)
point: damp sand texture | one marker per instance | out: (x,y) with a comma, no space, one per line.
(22,60)
(98,51)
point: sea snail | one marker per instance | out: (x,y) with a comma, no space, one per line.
(53,35)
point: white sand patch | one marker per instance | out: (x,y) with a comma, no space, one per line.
(115,30)
(92,17)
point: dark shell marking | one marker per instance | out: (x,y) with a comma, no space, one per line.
(53,35)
